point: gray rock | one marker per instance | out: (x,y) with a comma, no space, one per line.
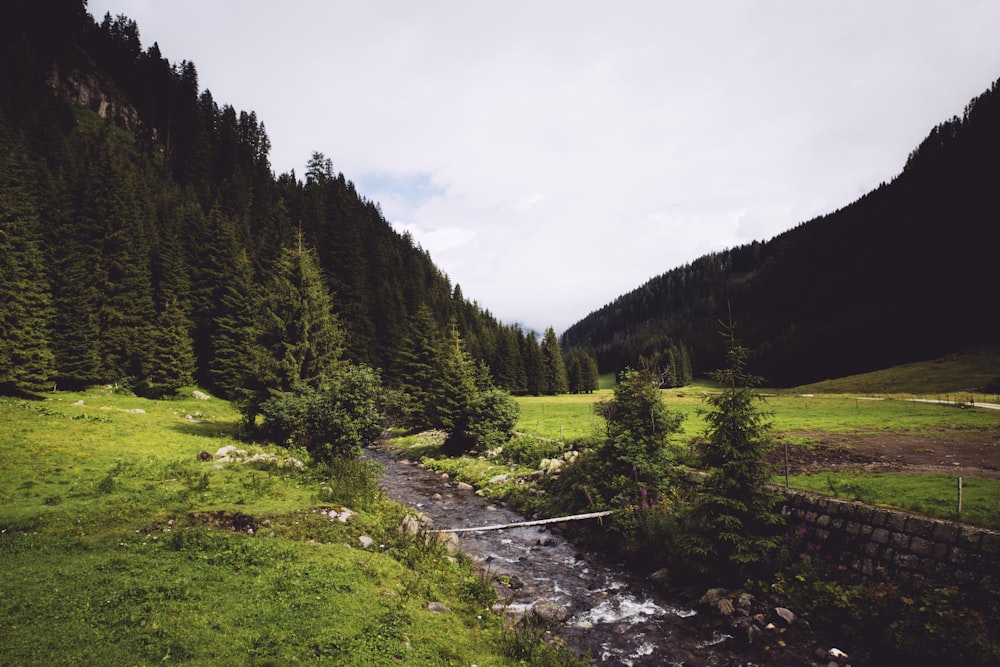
(366,541)
(409,526)
(661,577)
(462,486)
(712,596)
(550,611)
(438,608)
(785,614)
(725,607)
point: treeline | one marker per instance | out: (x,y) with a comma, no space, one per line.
(904,273)
(141,223)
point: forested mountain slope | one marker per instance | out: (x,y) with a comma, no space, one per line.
(907,272)
(141,218)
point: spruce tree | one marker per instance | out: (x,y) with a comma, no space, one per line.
(234,333)
(531,354)
(458,374)
(298,339)
(111,198)
(553,367)
(732,530)
(418,364)
(26,360)
(170,358)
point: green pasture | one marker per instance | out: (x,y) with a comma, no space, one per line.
(933,495)
(119,547)
(802,420)
(792,415)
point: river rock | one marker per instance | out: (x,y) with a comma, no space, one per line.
(725,607)
(450,542)
(661,577)
(712,596)
(462,486)
(785,614)
(409,526)
(550,611)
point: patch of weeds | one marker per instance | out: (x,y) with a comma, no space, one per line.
(52,500)
(256,484)
(525,641)
(107,484)
(350,482)
(529,451)
(477,589)
(92,418)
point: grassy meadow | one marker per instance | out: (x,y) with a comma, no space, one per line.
(119,547)
(860,406)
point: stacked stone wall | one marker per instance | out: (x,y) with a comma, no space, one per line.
(881,544)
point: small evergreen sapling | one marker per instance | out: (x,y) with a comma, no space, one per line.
(732,531)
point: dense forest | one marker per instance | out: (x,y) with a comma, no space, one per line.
(143,227)
(904,273)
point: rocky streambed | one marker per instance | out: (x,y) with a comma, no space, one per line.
(595,607)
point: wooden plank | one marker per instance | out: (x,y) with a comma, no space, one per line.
(537,522)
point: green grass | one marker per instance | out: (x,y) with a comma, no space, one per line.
(119,547)
(802,420)
(960,373)
(933,495)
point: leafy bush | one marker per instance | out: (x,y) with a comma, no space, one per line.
(329,424)
(638,424)
(494,414)
(527,450)
(487,420)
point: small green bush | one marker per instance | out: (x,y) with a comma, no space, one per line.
(529,451)
(329,424)
(493,416)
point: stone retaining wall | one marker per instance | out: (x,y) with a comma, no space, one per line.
(879,544)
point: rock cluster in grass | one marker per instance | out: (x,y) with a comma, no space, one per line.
(231,454)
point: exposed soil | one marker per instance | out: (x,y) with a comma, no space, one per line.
(964,452)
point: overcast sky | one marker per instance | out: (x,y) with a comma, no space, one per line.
(553,155)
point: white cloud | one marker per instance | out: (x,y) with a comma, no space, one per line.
(553,155)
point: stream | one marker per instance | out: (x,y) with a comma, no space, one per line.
(617,618)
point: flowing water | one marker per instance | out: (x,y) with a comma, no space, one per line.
(616,617)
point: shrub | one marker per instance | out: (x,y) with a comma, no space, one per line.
(527,450)
(494,414)
(329,424)
(638,425)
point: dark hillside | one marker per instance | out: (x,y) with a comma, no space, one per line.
(904,273)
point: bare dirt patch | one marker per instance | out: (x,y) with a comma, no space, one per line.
(965,452)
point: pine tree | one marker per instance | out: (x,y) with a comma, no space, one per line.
(553,367)
(531,353)
(170,358)
(418,364)
(732,530)
(234,333)
(125,308)
(459,391)
(298,340)
(26,360)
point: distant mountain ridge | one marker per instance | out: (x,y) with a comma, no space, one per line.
(907,272)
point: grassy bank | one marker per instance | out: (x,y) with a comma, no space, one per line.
(120,547)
